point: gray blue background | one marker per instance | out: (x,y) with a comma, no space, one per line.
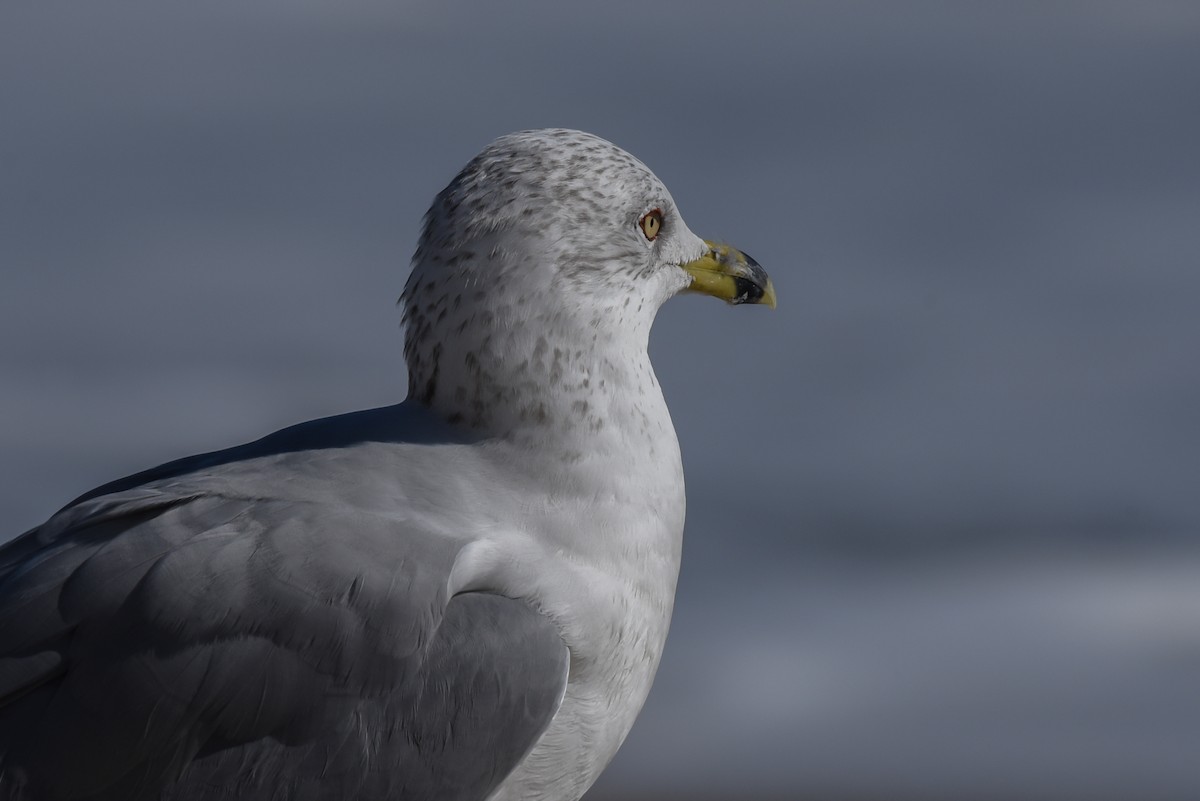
(943,503)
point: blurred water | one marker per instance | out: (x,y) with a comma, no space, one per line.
(1002,675)
(942,537)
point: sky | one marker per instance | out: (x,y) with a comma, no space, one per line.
(943,518)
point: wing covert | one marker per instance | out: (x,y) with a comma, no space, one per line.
(199,646)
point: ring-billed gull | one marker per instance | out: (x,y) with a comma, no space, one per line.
(460,597)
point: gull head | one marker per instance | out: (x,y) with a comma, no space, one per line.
(550,242)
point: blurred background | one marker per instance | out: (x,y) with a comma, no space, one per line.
(943,503)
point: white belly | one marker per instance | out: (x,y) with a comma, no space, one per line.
(605,692)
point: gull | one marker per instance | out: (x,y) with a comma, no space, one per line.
(460,597)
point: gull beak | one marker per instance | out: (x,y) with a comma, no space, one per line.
(729,274)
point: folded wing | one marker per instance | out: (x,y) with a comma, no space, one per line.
(161,644)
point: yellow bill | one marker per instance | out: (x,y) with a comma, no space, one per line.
(729,274)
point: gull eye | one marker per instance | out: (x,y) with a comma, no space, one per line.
(651,223)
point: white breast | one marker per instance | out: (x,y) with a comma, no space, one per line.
(608,583)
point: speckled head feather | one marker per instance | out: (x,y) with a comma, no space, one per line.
(531,270)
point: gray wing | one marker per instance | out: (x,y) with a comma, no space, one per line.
(165,645)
